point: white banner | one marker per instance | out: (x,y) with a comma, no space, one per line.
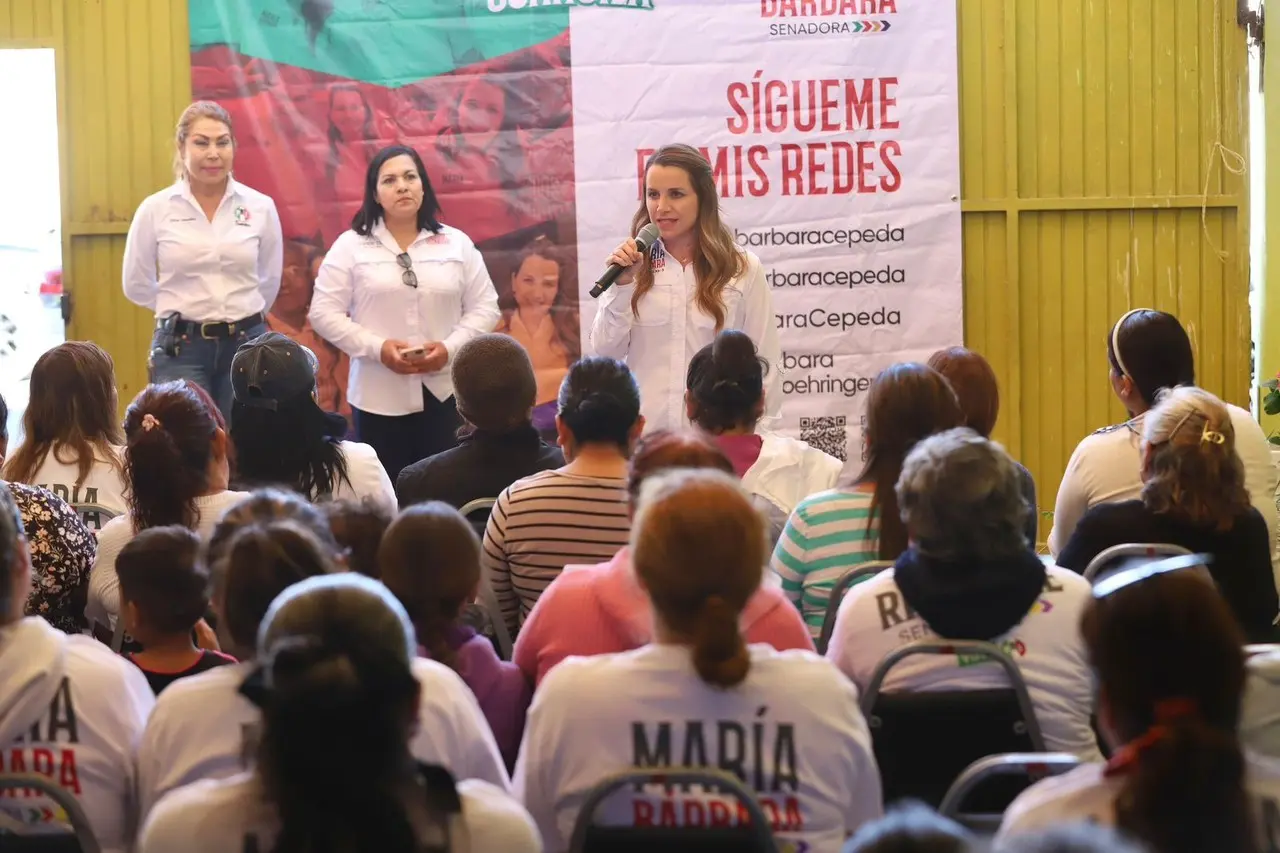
(833,128)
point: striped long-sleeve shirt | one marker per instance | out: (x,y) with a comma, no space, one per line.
(826,535)
(544,522)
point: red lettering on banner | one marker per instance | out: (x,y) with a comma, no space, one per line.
(825,8)
(641,813)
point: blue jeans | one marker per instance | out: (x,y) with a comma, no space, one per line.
(205,361)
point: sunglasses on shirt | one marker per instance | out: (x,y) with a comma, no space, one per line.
(409,277)
(1124,578)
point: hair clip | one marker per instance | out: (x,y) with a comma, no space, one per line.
(1212,437)
(149,422)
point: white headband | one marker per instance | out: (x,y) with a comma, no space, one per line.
(1115,340)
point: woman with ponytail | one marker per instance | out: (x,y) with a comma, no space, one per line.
(1193,495)
(430,560)
(176,471)
(1170,663)
(334,768)
(786,723)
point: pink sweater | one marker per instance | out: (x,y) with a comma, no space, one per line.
(597,610)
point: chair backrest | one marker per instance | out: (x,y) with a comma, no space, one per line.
(924,739)
(756,836)
(488,598)
(80,840)
(1119,552)
(1026,768)
(855,575)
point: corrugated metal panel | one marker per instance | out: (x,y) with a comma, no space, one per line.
(1093,182)
(126,74)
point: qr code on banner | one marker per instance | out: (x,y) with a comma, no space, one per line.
(826,434)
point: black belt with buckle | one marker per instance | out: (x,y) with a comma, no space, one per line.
(210,331)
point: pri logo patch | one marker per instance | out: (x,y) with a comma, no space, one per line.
(241,213)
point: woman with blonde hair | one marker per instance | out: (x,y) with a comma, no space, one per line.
(71,440)
(786,723)
(694,282)
(1193,495)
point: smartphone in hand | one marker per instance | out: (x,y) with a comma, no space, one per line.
(413,352)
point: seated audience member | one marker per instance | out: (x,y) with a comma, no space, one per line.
(1070,838)
(62,551)
(1169,660)
(337,656)
(724,396)
(974,382)
(72,440)
(358,529)
(176,467)
(495,388)
(1149,351)
(911,827)
(698,547)
(282,437)
(1193,495)
(430,560)
(1260,717)
(574,514)
(834,531)
(163,594)
(69,708)
(596,610)
(970,574)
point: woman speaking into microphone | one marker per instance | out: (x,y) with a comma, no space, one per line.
(693,283)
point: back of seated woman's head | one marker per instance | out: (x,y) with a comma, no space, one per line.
(698,548)
(15,561)
(1070,838)
(974,382)
(173,439)
(266,505)
(664,449)
(1190,466)
(339,706)
(724,385)
(1150,350)
(907,402)
(1169,659)
(960,496)
(430,560)
(910,828)
(358,527)
(599,404)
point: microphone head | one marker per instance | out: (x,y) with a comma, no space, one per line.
(647,237)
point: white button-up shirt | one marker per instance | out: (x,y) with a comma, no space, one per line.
(659,343)
(177,260)
(361,300)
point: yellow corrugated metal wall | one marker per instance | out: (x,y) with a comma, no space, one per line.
(124,75)
(1093,136)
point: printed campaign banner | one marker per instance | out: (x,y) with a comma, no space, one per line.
(832,127)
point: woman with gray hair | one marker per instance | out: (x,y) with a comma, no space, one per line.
(969,574)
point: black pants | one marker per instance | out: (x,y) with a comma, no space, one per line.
(401,440)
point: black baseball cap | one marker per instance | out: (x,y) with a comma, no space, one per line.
(270,369)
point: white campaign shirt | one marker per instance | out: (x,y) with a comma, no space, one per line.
(369,480)
(221,817)
(199,725)
(659,343)
(874,619)
(792,731)
(1085,794)
(361,300)
(1107,466)
(176,260)
(98,499)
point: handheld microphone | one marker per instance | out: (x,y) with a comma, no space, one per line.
(644,241)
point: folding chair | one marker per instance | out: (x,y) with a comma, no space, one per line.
(855,575)
(753,837)
(487,596)
(81,838)
(924,739)
(1136,550)
(1032,767)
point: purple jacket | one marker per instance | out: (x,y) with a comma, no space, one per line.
(499,686)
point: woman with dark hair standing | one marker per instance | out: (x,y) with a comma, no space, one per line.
(176,467)
(1149,351)
(399,293)
(1170,664)
(834,531)
(787,723)
(335,655)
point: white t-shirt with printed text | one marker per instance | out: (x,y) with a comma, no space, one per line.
(98,499)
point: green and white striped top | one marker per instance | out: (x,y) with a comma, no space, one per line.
(826,535)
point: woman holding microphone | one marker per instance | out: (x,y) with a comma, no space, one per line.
(693,283)
(205,254)
(399,293)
